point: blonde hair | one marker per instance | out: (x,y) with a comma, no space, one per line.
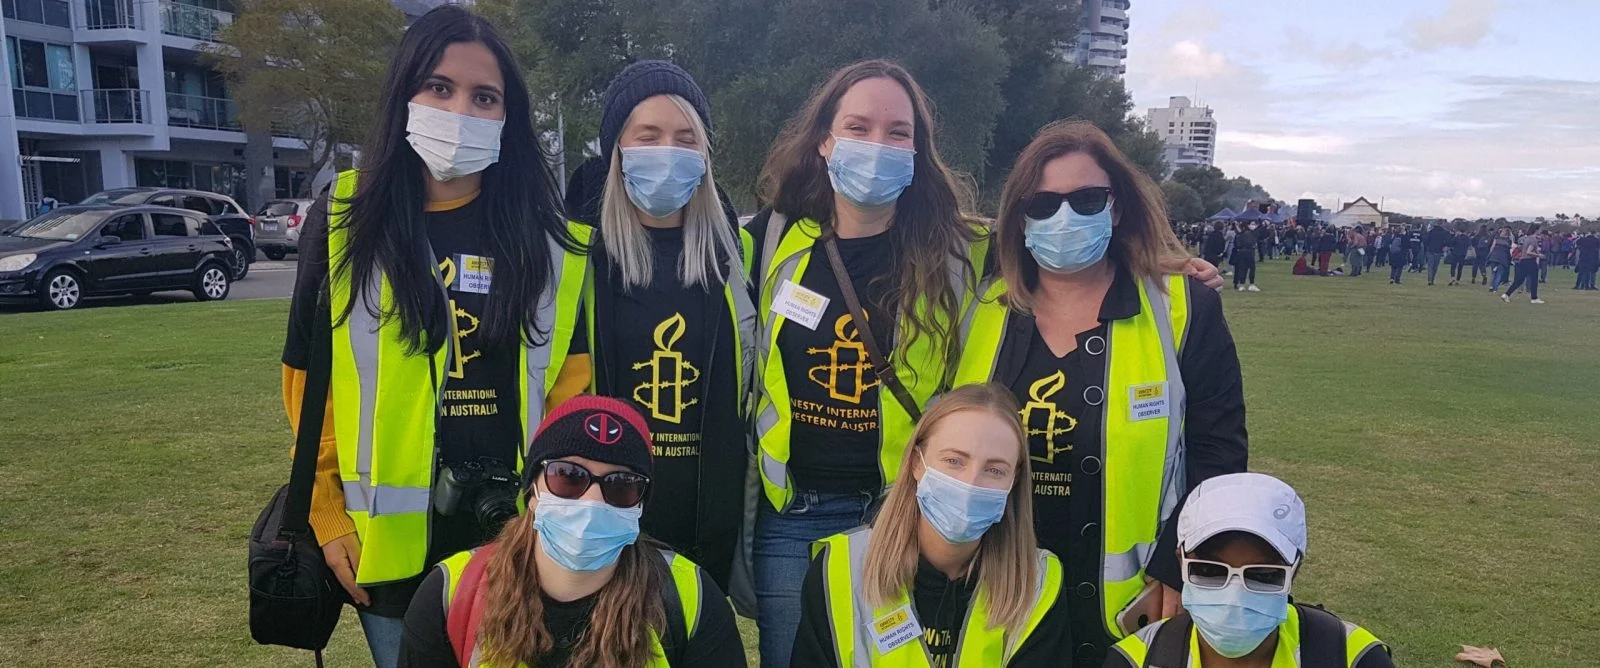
(708,239)
(625,611)
(1142,240)
(1007,563)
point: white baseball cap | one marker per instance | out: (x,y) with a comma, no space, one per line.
(1254,503)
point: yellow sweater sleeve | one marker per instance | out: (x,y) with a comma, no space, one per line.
(328,519)
(571,381)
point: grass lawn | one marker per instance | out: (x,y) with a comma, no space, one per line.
(1445,444)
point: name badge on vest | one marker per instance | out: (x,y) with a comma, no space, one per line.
(1148,402)
(475,275)
(895,629)
(799,304)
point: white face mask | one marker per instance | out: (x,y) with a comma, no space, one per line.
(450,144)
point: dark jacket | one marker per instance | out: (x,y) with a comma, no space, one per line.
(1244,245)
(1216,243)
(1438,238)
(723,453)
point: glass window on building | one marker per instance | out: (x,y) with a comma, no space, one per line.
(43,80)
(48,12)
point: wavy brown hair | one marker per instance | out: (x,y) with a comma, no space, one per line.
(628,608)
(1007,563)
(932,220)
(1142,240)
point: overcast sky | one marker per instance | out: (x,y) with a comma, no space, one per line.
(1439,107)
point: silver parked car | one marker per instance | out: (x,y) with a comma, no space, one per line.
(278,226)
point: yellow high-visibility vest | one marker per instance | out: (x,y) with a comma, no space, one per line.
(854,621)
(386,400)
(685,583)
(1357,642)
(922,366)
(1143,456)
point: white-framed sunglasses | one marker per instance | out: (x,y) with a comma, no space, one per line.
(1259,578)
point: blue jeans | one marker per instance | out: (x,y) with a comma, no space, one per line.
(383,638)
(782,554)
(1499,278)
(1433,265)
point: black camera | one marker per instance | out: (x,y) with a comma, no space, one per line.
(487,488)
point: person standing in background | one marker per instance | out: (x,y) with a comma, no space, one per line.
(1380,246)
(1414,249)
(1356,250)
(1528,255)
(1397,254)
(1500,257)
(1244,259)
(1587,250)
(1460,245)
(1327,242)
(1435,244)
(1216,243)
(1547,247)
(1480,248)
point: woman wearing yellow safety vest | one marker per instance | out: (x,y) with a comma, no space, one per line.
(949,574)
(671,324)
(570,584)
(1125,371)
(1241,541)
(865,217)
(447,285)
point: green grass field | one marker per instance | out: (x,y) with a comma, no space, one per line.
(1445,444)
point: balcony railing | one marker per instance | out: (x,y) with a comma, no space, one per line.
(116,105)
(193,22)
(47,12)
(109,14)
(196,111)
(48,105)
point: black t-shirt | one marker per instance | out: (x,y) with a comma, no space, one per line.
(480,413)
(1052,405)
(662,349)
(941,607)
(716,643)
(833,391)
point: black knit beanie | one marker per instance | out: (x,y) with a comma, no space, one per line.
(639,82)
(599,428)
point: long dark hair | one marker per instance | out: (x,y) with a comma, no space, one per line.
(932,221)
(386,226)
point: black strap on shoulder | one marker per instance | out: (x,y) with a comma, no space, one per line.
(1321,638)
(1170,647)
(308,436)
(880,361)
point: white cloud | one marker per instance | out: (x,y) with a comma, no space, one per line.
(1192,59)
(1464,23)
(1286,143)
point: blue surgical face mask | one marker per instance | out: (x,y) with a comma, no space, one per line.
(1234,620)
(661,179)
(582,535)
(1069,242)
(870,175)
(958,511)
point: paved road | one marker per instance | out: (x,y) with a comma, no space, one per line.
(267,280)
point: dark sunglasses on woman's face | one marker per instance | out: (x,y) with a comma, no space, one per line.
(1084,201)
(623,489)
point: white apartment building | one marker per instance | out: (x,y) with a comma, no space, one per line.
(1190,133)
(1103,37)
(111,93)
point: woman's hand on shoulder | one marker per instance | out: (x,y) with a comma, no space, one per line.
(1205,272)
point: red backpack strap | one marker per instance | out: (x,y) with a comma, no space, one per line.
(466,608)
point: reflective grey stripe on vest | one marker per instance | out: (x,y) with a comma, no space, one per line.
(748,325)
(1126,565)
(362,496)
(860,610)
(363,327)
(539,356)
(767,416)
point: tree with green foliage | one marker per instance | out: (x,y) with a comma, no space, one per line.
(1183,203)
(1207,182)
(312,68)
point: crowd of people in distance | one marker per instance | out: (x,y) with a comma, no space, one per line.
(1512,257)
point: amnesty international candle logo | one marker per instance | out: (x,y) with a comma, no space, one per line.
(466,324)
(844,373)
(670,375)
(1042,417)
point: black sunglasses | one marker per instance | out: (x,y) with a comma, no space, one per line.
(567,480)
(1085,201)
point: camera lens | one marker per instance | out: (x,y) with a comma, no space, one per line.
(496,505)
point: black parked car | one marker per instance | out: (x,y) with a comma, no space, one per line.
(62,256)
(221,209)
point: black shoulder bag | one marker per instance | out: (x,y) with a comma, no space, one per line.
(294,598)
